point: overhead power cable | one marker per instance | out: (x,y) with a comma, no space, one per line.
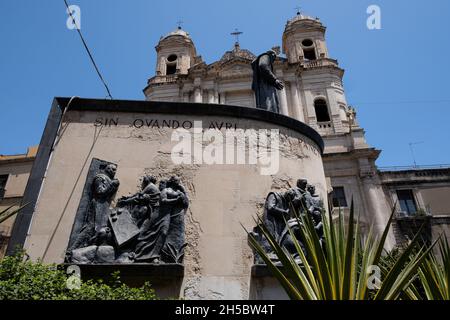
(87,50)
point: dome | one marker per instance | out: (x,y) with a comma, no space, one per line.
(237,52)
(303,20)
(177,32)
(300,16)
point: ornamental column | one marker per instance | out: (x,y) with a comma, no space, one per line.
(210,96)
(186,97)
(198,95)
(216,97)
(296,105)
(379,209)
(283,102)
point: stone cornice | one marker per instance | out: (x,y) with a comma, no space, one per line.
(182,108)
(17,160)
(354,154)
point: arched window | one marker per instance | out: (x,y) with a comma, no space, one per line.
(172,58)
(309,51)
(171,66)
(321,108)
(171,69)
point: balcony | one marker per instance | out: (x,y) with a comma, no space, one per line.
(408,226)
(420,214)
(325,128)
(319,63)
(157,80)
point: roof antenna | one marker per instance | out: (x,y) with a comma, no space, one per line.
(411,144)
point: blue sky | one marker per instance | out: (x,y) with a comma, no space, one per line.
(396,77)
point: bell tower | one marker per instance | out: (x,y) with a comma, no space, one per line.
(175,54)
(304,39)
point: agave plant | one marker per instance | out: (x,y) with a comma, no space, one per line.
(433,276)
(339,268)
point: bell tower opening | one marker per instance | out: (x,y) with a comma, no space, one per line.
(171,65)
(171,69)
(321,108)
(309,51)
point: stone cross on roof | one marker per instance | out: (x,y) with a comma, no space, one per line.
(236,33)
(179,23)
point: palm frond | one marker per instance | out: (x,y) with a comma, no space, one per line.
(338,268)
(434,274)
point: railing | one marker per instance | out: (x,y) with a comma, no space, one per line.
(163,79)
(420,213)
(325,127)
(321,62)
(415,167)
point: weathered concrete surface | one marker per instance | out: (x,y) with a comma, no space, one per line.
(218,259)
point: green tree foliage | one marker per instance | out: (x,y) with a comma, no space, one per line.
(21,279)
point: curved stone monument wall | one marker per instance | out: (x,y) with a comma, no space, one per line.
(141,139)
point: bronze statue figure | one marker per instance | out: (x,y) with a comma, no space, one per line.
(174,198)
(142,204)
(281,212)
(104,188)
(276,212)
(95,229)
(265,83)
(153,232)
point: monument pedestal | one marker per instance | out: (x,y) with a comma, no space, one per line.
(143,139)
(165,279)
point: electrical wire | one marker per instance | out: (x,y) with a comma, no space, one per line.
(87,50)
(96,137)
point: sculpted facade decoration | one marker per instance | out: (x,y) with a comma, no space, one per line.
(280,211)
(146,227)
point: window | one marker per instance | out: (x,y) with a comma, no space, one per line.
(339,199)
(309,52)
(171,68)
(307,43)
(321,108)
(406,201)
(3,179)
(172,58)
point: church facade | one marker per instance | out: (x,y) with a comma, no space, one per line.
(321,142)
(314,94)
